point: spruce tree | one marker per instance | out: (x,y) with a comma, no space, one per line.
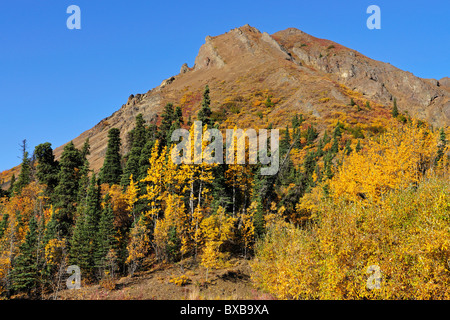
(106,239)
(442,145)
(395,109)
(204,114)
(311,135)
(51,232)
(25,274)
(11,185)
(285,142)
(47,167)
(221,193)
(144,158)
(137,139)
(178,117)
(111,172)
(25,170)
(84,173)
(348,149)
(358,146)
(66,192)
(258,218)
(84,239)
(4,224)
(296,123)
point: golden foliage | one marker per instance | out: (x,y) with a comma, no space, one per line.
(215,230)
(139,242)
(395,159)
(388,209)
(180,281)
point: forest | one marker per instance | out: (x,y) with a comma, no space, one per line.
(310,231)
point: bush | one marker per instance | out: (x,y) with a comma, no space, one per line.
(259,114)
(407,238)
(383,209)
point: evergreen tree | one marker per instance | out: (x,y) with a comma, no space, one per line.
(348,148)
(358,146)
(268,103)
(327,165)
(47,167)
(25,170)
(166,127)
(144,163)
(442,145)
(204,114)
(285,142)
(337,134)
(178,117)
(137,139)
(111,172)
(106,239)
(25,274)
(258,218)
(66,192)
(51,232)
(4,224)
(11,185)
(221,193)
(84,173)
(395,112)
(296,123)
(85,234)
(311,135)
(138,135)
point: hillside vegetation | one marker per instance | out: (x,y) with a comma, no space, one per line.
(345,198)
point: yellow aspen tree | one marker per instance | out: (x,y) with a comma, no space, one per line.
(154,181)
(131,196)
(239,175)
(138,246)
(396,159)
(215,230)
(247,228)
(174,217)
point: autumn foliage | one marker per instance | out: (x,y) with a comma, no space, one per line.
(388,206)
(347,199)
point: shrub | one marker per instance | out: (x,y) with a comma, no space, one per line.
(407,238)
(180,281)
(259,114)
(383,209)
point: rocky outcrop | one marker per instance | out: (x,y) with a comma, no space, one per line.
(208,56)
(376,80)
(184,68)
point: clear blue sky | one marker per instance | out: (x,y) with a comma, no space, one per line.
(56,83)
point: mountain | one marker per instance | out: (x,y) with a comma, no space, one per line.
(298,72)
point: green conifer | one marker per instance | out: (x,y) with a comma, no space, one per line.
(111,172)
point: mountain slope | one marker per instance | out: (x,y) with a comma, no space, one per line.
(301,74)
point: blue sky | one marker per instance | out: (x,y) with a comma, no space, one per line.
(56,83)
